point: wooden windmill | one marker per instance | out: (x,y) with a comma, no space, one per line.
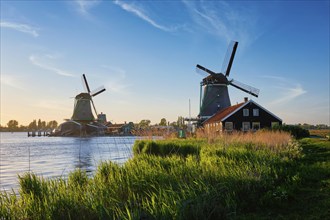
(82,111)
(215,94)
(83,122)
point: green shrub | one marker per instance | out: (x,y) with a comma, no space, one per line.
(295,130)
(165,147)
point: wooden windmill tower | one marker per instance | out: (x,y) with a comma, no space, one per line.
(215,94)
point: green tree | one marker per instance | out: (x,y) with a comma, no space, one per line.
(163,122)
(39,124)
(174,124)
(180,122)
(33,125)
(43,124)
(145,123)
(52,124)
(12,125)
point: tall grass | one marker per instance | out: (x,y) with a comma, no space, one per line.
(168,179)
(274,140)
(151,132)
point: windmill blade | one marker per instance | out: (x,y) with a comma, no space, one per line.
(201,68)
(85,84)
(248,89)
(229,58)
(97,91)
(94,107)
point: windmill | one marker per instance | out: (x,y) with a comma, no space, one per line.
(82,111)
(215,93)
(83,122)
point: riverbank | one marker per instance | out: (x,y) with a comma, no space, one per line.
(261,175)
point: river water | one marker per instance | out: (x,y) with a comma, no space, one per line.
(52,157)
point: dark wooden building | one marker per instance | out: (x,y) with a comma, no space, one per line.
(244,116)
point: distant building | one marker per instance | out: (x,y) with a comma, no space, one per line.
(120,129)
(102,118)
(245,116)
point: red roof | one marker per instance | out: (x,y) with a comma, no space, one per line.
(223,113)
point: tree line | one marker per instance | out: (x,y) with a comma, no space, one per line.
(13,125)
(145,123)
(318,126)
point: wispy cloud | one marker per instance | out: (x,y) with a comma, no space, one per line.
(117,76)
(115,70)
(10,80)
(53,105)
(83,6)
(139,12)
(20,27)
(286,89)
(224,20)
(35,60)
(117,87)
(288,94)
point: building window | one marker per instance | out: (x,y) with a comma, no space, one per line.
(255,112)
(229,126)
(275,124)
(246,126)
(255,126)
(245,112)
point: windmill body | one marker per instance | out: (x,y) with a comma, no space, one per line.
(215,96)
(82,111)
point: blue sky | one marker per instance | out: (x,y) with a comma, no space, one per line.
(145,53)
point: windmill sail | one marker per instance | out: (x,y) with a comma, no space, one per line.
(246,88)
(94,107)
(97,91)
(201,69)
(85,83)
(229,58)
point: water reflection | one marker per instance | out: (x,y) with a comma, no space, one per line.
(83,155)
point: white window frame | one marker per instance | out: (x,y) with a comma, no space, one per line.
(255,123)
(230,124)
(255,112)
(246,123)
(245,112)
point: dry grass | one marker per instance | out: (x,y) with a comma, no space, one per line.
(151,133)
(274,140)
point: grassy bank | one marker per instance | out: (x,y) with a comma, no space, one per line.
(260,175)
